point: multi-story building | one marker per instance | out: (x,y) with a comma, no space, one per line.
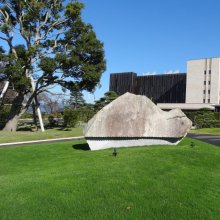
(196,89)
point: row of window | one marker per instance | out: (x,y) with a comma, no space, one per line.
(204,91)
(209,83)
(204,100)
(205,72)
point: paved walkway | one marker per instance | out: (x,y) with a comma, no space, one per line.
(211,139)
(40,141)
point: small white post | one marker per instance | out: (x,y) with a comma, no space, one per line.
(38,108)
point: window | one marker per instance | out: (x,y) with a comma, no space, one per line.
(209,71)
(204,82)
(209,82)
(203,100)
(203,91)
(208,91)
(205,72)
(208,100)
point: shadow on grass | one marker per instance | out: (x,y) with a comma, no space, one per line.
(63,129)
(84,146)
(25,129)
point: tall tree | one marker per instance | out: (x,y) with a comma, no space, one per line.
(57,47)
(76,99)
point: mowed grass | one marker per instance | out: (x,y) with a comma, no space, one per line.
(64,181)
(215,131)
(8,137)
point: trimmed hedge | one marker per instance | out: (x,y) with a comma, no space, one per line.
(73,116)
(204,118)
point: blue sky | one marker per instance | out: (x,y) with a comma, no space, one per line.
(153,35)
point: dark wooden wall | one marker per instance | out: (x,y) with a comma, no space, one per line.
(169,88)
(123,82)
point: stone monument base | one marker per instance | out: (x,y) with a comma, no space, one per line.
(98,144)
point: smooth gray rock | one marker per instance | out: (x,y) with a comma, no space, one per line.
(135,117)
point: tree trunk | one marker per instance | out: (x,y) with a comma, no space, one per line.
(16,112)
(34,115)
(11,125)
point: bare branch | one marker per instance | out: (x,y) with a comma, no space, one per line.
(22,31)
(45,53)
(2,14)
(51,28)
(4,39)
(54,93)
(5,15)
(45,20)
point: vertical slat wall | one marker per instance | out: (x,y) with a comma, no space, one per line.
(123,82)
(170,88)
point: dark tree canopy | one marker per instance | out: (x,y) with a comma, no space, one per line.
(58,46)
(103,101)
(55,47)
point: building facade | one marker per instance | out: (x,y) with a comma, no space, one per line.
(169,88)
(203,81)
(196,89)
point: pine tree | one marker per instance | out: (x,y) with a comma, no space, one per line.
(57,48)
(76,99)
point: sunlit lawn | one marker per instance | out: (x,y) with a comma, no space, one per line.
(215,131)
(7,137)
(63,181)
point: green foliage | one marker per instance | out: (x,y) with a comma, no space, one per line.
(73,9)
(27,115)
(108,97)
(55,115)
(51,121)
(70,117)
(48,65)
(82,114)
(57,47)
(204,118)
(4,112)
(76,99)
(86,112)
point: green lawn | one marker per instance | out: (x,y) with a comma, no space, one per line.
(7,137)
(215,131)
(62,181)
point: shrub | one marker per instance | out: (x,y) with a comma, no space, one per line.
(204,118)
(4,112)
(51,121)
(27,115)
(71,117)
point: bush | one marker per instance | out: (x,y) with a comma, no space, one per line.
(204,118)
(4,112)
(85,114)
(51,121)
(27,115)
(71,117)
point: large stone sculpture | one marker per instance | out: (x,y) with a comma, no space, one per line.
(134,120)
